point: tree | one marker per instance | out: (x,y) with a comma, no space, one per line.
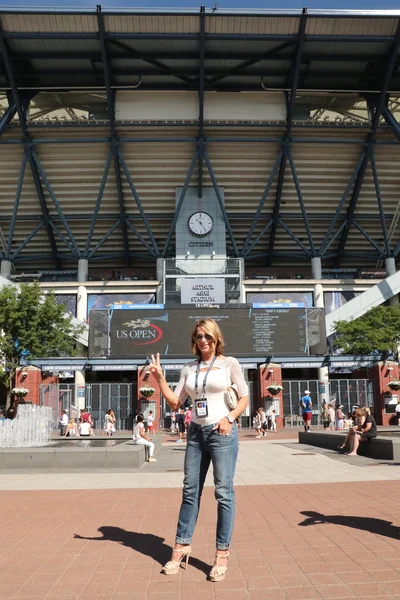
(32,325)
(376,331)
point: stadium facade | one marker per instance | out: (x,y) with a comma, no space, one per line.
(201,157)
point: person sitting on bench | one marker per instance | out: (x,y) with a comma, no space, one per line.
(358,417)
(368,432)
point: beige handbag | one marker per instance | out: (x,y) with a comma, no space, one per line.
(231,393)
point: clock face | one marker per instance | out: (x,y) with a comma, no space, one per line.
(200,223)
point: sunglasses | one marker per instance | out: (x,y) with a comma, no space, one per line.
(208,337)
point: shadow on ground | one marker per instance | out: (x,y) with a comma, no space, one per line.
(378,526)
(145,543)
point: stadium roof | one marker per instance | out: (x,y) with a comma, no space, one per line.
(324,181)
(59,49)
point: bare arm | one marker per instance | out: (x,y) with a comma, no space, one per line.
(156,370)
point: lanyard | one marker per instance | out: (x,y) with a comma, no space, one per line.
(196,383)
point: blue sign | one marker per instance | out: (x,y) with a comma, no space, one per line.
(137,306)
(279,305)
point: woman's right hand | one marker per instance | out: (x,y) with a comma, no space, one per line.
(155,367)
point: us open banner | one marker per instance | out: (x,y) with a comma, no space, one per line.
(247,331)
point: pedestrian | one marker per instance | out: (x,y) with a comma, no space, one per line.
(109,424)
(139,437)
(340,417)
(188,420)
(213,437)
(306,405)
(180,422)
(2,417)
(398,412)
(325,415)
(63,422)
(273,421)
(331,412)
(150,423)
(258,424)
(264,421)
(173,422)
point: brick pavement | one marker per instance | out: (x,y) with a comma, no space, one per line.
(298,541)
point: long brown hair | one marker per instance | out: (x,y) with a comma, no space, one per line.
(211,327)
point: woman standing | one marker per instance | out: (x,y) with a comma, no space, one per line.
(212,437)
(110,422)
(340,417)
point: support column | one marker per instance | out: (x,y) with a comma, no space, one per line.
(390,266)
(81,315)
(83,269)
(6,269)
(242,298)
(323,372)
(160,274)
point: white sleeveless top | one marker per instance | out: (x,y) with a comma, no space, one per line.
(225,371)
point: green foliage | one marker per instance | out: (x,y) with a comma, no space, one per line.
(33,325)
(376,331)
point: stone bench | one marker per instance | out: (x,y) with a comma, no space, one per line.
(123,456)
(384,448)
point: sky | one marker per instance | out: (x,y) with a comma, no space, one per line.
(238,4)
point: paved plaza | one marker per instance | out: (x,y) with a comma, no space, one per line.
(310,524)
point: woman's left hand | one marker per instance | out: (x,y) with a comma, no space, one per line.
(223,427)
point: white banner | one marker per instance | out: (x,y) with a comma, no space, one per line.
(202,291)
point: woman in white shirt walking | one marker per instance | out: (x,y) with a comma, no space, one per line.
(139,437)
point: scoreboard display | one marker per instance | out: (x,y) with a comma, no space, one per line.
(247,331)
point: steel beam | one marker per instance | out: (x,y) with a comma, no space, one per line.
(104,238)
(180,202)
(301,202)
(258,238)
(289,120)
(391,121)
(98,203)
(252,61)
(140,237)
(55,202)
(380,205)
(391,59)
(201,102)
(261,205)
(221,204)
(353,204)
(16,205)
(368,238)
(7,117)
(114,141)
(295,238)
(27,240)
(396,250)
(349,186)
(151,61)
(21,109)
(138,202)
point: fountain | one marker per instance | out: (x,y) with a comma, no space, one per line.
(31,427)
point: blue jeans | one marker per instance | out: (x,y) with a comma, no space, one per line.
(203,446)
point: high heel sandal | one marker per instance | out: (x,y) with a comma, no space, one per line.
(172,566)
(341,447)
(218,573)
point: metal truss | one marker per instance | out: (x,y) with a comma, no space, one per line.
(287,138)
(58,226)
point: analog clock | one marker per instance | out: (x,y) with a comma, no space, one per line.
(200,223)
